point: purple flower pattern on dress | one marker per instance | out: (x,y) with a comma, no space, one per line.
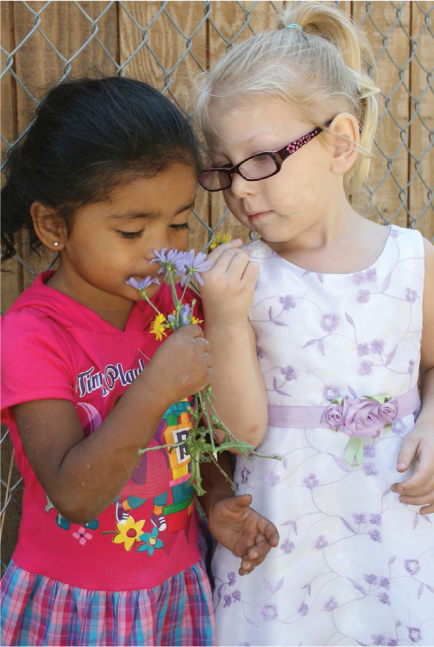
(231,578)
(311,481)
(289,373)
(359,518)
(321,542)
(377,346)
(415,634)
(303,609)
(287,302)
(329,322)
(287,546)
(366,368)
(245,474)
(269,612)
(370,469)
(271,479)
(362,349)
(331,391)
(375,535)
(412,566)
(331,604)
(384,598)
(410,295)
(363,296)
(375,519)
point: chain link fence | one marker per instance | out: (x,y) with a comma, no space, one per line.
(168,44)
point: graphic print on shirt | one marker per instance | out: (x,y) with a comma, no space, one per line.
(158,500)
(162,478)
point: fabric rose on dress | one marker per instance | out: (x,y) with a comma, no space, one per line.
(388,412)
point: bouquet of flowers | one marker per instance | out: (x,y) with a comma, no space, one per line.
(200,442)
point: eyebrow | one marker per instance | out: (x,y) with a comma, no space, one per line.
(134,215)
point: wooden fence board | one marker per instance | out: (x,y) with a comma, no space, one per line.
(377,30)
(420,131)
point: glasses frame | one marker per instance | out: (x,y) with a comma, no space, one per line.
(279,156)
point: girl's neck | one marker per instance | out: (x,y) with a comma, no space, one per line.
(335,246)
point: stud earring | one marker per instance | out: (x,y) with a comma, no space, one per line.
(56,244)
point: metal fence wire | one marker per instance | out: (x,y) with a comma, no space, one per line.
(168,44)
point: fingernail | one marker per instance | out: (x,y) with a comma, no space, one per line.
(401,466)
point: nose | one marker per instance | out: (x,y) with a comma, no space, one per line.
(240,188)
(158,241)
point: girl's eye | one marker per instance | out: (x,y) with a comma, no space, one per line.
(183,225)
(130,234)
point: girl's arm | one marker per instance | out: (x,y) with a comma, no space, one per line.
(419,444)
(82,476)
(227,297)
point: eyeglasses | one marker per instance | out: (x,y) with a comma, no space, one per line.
(254,168)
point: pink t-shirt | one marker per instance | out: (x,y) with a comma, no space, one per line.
(55,348)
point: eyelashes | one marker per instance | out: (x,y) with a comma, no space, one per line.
(183,225)
(129,235)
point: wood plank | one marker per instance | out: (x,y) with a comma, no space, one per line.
(40,64)
(168,57)
(421,168)
(389,44)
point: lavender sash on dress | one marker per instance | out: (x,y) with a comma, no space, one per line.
(356,417)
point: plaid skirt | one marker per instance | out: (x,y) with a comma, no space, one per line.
(37,610)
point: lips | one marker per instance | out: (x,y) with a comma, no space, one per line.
(253,217)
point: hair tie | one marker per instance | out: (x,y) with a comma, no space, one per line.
(294,26)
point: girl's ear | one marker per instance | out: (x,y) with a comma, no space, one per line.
(346,142)
(49,227)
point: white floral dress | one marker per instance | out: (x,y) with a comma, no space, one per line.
(354,565)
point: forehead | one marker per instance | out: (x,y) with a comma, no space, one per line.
(245,121)
(169,185)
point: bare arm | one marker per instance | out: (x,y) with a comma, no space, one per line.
(227,295)
(82,476)
(419,444)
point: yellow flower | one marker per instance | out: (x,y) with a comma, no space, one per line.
(158,326)
(129,532)
(219,239)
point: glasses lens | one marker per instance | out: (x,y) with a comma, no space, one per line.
(259,166)
(214,180)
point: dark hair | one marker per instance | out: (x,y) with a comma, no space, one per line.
(90,135)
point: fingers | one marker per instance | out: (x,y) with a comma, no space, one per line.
(233,260)
(241,501)
(420,482)
(221,249)
(407,453)
(418,499)
(255,555)
(269,530)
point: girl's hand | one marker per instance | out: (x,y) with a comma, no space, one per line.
(183,364)
(419,489)
(242,530)
(229,286)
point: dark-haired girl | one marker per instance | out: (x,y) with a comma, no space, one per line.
(108,545)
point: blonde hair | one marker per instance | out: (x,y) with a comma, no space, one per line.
(317,69)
